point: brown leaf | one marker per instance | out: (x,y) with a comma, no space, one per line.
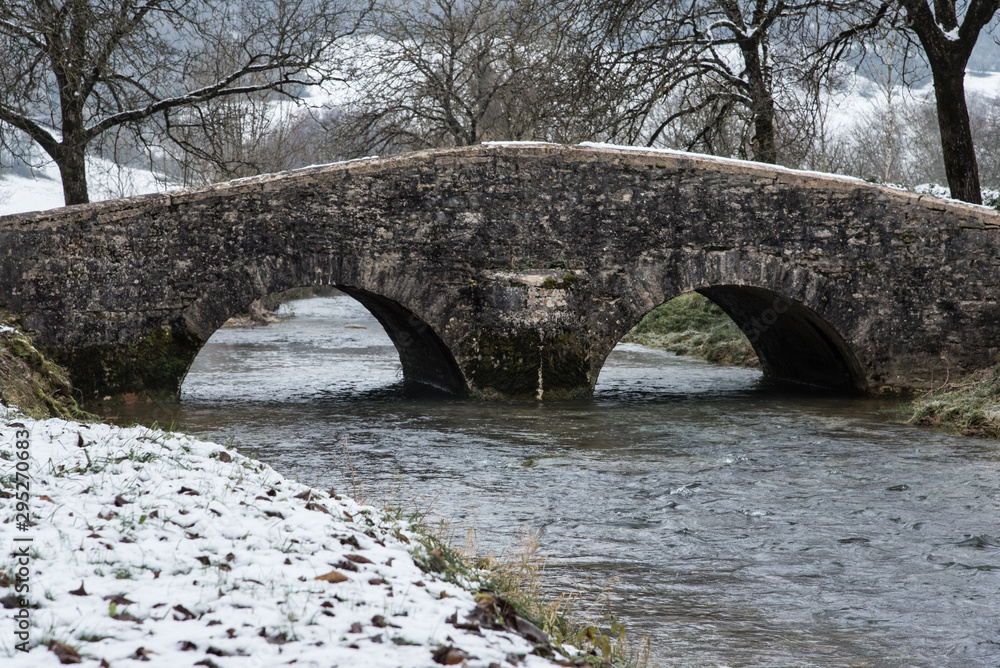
(118,599)
(225,457)
(332,576)
(188,646)
(65,653)
(346,565)
(276,639)
(142,654)
(182,614)
(449,656)
(358,559)
(43,497)
(317,506)
(79,440)
(127,617)
(381,622)
(188,491)
(80,591)
(120,501)
(208,663)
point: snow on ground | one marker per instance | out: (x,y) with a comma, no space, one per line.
(156,549)
(40,189)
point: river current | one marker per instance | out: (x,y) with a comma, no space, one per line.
(740,524)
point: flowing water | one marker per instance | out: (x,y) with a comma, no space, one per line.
(743,525)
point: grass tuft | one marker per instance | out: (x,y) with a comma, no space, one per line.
(970,406)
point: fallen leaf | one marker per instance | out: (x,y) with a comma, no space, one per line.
(449,656)
(276,639)
(357,558)
(207,662)
(142,654)
(43,497)
(318,507)
(332,576)
(225,457)
(65,653)
(118,599)
(127,617)
(80,591)
(182,614)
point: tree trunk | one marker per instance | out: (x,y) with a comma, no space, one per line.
(956,133)
(72,154)
(73,170)
(764,144)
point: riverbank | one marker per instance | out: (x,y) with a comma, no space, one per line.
(692,325)
(141,545)
(970,406)
(156,547)
(39,387)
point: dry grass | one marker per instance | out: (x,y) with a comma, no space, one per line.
(970,406)
(579,618)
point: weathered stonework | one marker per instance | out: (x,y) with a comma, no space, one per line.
(512,270)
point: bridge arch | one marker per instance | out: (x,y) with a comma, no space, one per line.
(425,359)
(793,343)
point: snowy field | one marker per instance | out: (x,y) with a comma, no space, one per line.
(150,548)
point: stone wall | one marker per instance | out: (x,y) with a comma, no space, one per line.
(512,270)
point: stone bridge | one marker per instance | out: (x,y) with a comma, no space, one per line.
(512,270)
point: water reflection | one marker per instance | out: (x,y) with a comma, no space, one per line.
(746,526)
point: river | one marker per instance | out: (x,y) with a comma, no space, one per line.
(740,524)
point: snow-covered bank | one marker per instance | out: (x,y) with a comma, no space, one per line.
(153,548)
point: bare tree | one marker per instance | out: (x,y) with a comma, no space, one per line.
(711,65)
(457,72)
(76,69)
(947,31)
(232,137)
